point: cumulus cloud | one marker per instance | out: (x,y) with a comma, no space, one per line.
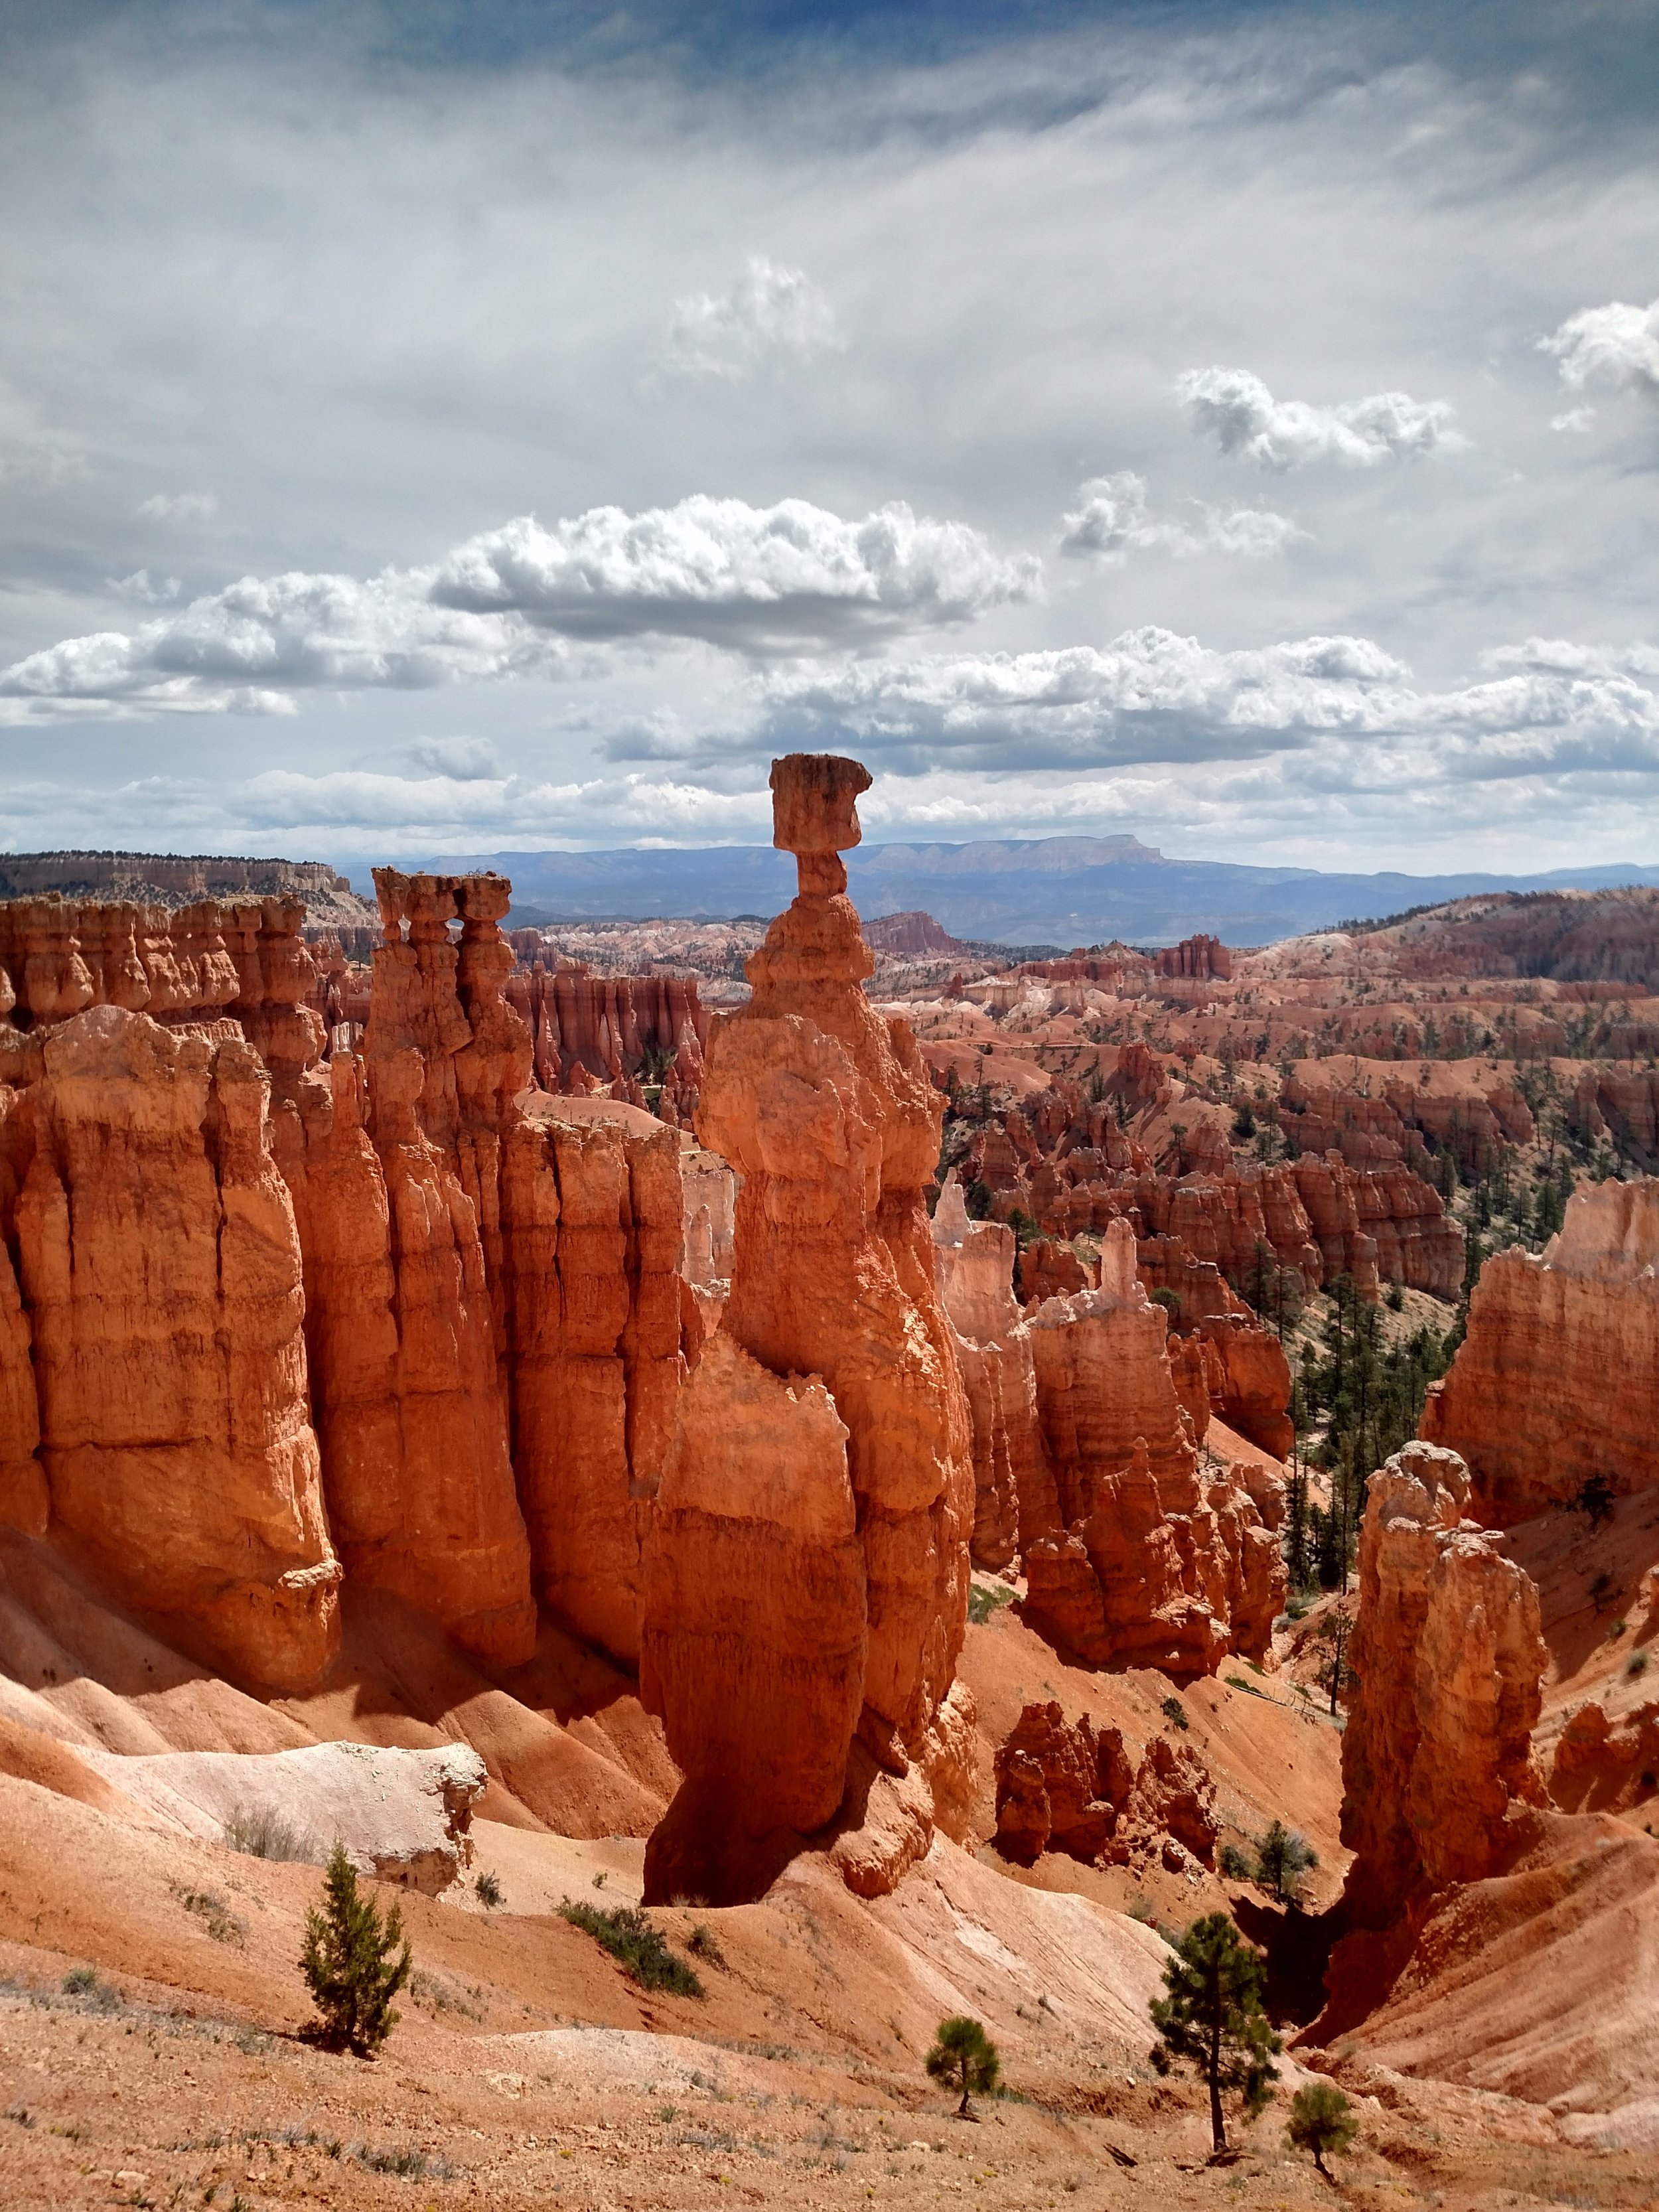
(1151,696)
(465,760)
(246,649)
(1617,344)
(179,507)
(759,580)
(770,316)
(1111,522)
(1238,412)
(762,580)
(1578,420)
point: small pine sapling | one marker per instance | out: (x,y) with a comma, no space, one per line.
(1282,1857)
(964,2057)
(348,1962)
(1212,2019)
(1322,2119)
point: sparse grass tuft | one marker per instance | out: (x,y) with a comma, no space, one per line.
(638,1947)
(260,1833)
(984,1599)
(490,1892)
(703,1943)
(215,1915)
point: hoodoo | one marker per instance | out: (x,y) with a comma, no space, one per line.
(1555,1383)
(833,1320)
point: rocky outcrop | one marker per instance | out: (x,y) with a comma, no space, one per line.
(1558,1374)
(615,1033)
(1067,1786)
(1152,1561)
(1067,1163)
(1436,1759)
(594,1215)
(1604,1765)
(402,1816)
(756,1634)
(826,1112)
(160,1266)
(1197,957)
(395,1163)
(1014,1498)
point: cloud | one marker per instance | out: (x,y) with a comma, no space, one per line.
(1111,522)
(1238,411)
(1578,420)
(1617,344)
(179,507)
(753,580)
(771,316)
(759,580)
(1152,698)
(246,649)
(465,760)
(144,592)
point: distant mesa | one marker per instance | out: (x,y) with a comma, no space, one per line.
(171,880)
(911,936)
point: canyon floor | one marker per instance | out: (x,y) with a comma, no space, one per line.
(528,2068)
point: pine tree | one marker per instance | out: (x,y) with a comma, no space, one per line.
(965,2056)
(1212,2019)
(1282,1857)
(1322,2119)
(347,1960)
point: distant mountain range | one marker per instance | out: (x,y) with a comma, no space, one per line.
(1051,891)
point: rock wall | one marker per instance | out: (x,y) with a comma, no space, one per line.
(1436,1758)
(160,1265)
(614,1032)
(594,1229)
(1014,1496)
(826,1112)
(491,1301)
(1558,1375)
(1070,1787)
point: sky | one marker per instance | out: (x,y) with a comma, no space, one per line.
(451,425)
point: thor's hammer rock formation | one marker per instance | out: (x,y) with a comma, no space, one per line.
(807,1568)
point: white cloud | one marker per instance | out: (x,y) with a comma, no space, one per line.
(1111,520)
(1578,419)
(465,760)
(1238,412)
(179,507)
(752,579)
(143,590)
(1152,698)
(1617,344)
(771,316)
(247,649)
(756,578)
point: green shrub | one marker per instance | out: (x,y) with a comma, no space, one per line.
(346,1960)
(1322,2119)
(640,1949)
(490,1892)
(703,1943)
(964,2057)
(1237,1865)
(983,1600)
(1174,1712)
(1637,1664)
